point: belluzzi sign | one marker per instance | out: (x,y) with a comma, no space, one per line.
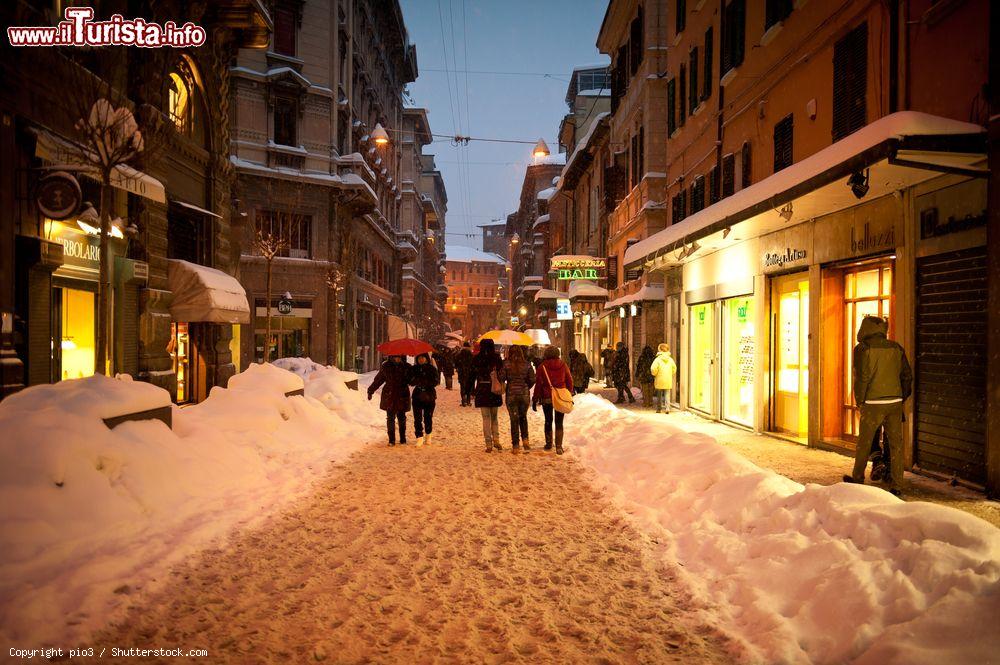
(867,241)
(779,258)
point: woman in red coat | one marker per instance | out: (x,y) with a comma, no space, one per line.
(552,373)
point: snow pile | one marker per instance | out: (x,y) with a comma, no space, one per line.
(801,574)
(301,366)
(88,514)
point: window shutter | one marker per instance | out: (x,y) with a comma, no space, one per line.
(693,95)
(284,31)
(734,35)
(783,143)
(728,174)
(746,178)
(681,17)
(713,185)
(776,11)
(636,46)
(671,106)
(706,91)
(850,81)
(682,106)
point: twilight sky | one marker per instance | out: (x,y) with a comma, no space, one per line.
(517,36)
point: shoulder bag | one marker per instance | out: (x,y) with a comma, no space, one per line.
(562,398)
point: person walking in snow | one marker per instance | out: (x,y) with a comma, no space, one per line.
(424,377)
(581,369)
(486,369)
(518,375)
(394,374)
(552,373)
(463,365)
(621,374)
(882,381)
(643,375)
(446,364)
(608,362)
(664,370)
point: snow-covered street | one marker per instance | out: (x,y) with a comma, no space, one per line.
(443,552)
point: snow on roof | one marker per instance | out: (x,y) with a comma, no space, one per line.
(542,219)
(554,158)
(648,292)
(581,288)
(547,194)
(462,254)
(895,125)
(594,92)
(549,294)
(599,65)
(583,143)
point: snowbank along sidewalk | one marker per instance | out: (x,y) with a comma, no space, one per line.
(801,574)
(89,514)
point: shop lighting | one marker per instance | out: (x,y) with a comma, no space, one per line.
(693,248)
(859,183)
(633,309)
(726,231)
(621,312)
(786,212)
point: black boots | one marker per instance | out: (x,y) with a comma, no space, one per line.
(548,440)
(559,440)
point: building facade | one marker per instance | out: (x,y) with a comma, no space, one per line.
(495,239)
(476,281)
(173,227)
(305,111)
(845,177)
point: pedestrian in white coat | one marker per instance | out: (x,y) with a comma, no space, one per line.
(663,369)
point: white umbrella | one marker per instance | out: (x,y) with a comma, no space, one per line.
(538,336)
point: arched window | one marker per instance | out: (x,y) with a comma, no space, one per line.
(179,102)
(184,101)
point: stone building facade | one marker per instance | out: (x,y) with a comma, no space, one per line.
(475,282)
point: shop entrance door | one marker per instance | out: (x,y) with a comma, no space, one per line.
(738,351)
(790,345)
(701,365)
(867,292)
(74,327)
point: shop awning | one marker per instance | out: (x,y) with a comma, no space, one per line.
(201,293)
(648,292)
(65,157)
(549,294)
(581,289)
(898,151)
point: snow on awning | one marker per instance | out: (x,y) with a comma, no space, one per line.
(67,156)
(648,292)
(549,294)
(580,289)
(399,328)
(195,208)
(201,293)
(542,219)
(901,149)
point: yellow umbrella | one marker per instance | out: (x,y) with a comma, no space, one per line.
(508,338)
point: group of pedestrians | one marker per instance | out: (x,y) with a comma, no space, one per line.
(487,381)
(654,372)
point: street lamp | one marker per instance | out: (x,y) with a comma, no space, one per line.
(541,149)
(523,311)
(379,135)
(515,239)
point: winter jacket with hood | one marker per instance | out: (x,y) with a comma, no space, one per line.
(519,375)
(581,370)
(424,378)
(485,363)
(881,370)
(620,370)
(396,393)
(664,370)
(643,365)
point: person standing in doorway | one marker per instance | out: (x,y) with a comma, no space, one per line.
(519,376)
(486,369)
(643,375)
(664,370)
(608,363)
(424,377)
(621,374)
(552,373)
(463,365)
(882,381)
(581,369)
(395,401)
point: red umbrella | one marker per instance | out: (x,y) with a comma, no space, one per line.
(404,347)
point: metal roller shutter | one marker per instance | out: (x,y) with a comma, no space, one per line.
(950,370)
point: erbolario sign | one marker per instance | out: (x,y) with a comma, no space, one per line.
(779,259)
(579,267)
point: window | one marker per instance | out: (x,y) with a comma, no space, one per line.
(681,17)
(284,31)
(746,166)
(776,11)
(698,194)
(634,162)
(682,107)
(728,174)
(706,90)
(179,102)
(783,143)
(636,43)
(735,35)
(642,152)
(693,96)
(285,112)
(596,80)
(671,106)
(850,80)
(296,229)
(713,185)
(679,206)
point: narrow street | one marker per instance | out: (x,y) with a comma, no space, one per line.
(439,554)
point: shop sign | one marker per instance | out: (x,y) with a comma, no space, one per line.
(515,321)
(564,312)
(284,306)
(58,195)
(867,240)
(578,267)
(579,273)
(779,259)
(555,325)
(79,248)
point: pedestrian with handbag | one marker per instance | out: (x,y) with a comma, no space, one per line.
(519,376)
(554,390)
(424,377)
(486,369)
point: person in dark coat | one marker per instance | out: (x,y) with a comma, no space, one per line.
(463,365)
(486,366)
(552,373)
(644,375)
(424,377)
(621,374)
(446,364)
(883,380)
(395,401)
(581,369)
(518,375)
(608,361)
